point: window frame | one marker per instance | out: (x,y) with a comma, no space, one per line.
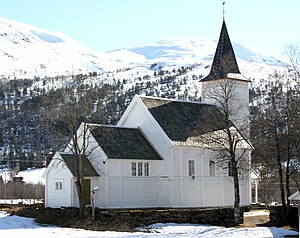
(133,169)
(146,169)
(191,168)
(212,168)
(140,169)
(58,185)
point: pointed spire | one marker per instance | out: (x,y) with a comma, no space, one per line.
(224,61)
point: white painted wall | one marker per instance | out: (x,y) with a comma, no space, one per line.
(239,99)
(168,185)
(203,190)
(58,198)
(139,116)
(127,191)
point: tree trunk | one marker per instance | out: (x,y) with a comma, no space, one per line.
(278,159)
(79,188)
(288,191)
(237,219)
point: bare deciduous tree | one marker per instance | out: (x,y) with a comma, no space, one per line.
(276,125)
(69,120)
(228,140)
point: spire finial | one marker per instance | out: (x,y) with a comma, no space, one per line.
(223,10)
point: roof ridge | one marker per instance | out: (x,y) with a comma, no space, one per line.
(174,100)
(111,126)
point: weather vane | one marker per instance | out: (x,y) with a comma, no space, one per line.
(223,10)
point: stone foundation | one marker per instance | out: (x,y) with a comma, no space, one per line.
(276,216)
(213,216)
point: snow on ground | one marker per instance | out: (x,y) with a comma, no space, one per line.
(21,201)
(257,213)
(33,176)
(14,226)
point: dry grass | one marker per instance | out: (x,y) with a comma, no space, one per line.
(254,221)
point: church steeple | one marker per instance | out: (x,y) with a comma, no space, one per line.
(224,62)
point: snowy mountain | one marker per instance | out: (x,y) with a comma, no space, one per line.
(166,54)
(27,51)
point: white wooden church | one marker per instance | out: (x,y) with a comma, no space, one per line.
(155,157)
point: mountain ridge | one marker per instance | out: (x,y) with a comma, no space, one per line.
(27,51)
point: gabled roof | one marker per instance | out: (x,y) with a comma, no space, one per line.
(124,143)
(71,162)
(184,121)
(295,196)
(224,62)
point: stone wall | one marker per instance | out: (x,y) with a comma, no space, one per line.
(213,216)
(276,216)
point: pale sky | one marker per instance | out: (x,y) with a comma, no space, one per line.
(105,25)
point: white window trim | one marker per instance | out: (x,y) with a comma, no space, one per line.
(140,169)
(191,168)
(212,168)
(146,169)
(133,169)
(59,185)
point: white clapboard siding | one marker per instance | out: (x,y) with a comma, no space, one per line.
(245,191)
(100,195)
(141,192)
(212,190)
(114,193)
(58,198)
(127,191)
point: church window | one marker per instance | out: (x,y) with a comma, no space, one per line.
(59,185)
(212,168)
(191,167)
(133,169)
(139,169)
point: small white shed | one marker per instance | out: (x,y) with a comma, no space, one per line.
(296,197)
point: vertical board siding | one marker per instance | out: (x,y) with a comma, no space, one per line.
(133,193)
(59,198)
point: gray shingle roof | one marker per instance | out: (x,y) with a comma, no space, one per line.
(224,61)
(71,161)
(184,121)
(124,143)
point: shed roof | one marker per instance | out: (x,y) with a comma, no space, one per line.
(295,196)
(124,143)
(184,121)
(71,161)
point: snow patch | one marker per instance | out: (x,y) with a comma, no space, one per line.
(14,226)
(33,176)
(47,37)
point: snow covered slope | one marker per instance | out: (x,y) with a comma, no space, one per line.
(27,51)
(181,52)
